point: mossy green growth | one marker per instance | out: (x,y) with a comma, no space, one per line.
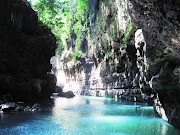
(99,22)
(106,2)
(127,34)
(76,54)
(103,68)
(82,8)
(63,17)
(108,54)
(163,57)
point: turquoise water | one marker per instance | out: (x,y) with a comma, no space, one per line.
(87,116)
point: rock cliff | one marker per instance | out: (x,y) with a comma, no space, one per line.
(160,21)
(131,50)
(109,61)
(25,51)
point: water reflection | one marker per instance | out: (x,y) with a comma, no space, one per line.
(164,129)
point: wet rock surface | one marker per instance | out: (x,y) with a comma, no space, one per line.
(160,25)
(59,93)
(10,107)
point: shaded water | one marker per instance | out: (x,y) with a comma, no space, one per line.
(87,116)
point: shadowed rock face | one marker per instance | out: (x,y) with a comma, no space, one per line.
(160,22)
(25,52)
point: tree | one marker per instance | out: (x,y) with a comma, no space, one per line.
(63,17)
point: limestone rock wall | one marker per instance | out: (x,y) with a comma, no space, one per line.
(160,22)
(108,65)
(25,51)
(132,45)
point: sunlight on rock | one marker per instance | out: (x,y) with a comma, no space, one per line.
(61,78)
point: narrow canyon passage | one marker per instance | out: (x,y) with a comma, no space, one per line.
(90,67)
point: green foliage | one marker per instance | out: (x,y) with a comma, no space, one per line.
(82,8)
(108,54)
(107,2)
(128,32)
(76,54)
(50,14)
(64,17)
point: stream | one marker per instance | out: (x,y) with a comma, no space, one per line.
(83,115)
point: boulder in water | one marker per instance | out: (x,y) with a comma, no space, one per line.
(10,109)
(27,109)
(36,107)
(69,94)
